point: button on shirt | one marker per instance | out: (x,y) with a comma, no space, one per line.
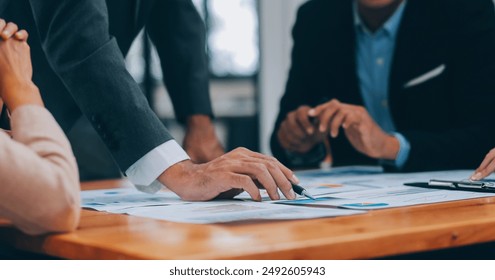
(374,53)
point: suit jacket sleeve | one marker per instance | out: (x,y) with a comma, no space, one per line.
(178,33)
(296,93)
(471,70)
(75,37)
(40,182)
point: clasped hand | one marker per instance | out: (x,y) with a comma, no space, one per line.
(305,127)
(16,87)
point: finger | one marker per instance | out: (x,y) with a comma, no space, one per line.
(246,183)
(489,158)
(337,121)
(2,24)
(260,172)
(288,135)
(350,120)
(318,110)
(9,30)
(21,35)
(302,119)
(489,169)
(289,175)
(257,170)
(327,115)
(281,179)
(294,136)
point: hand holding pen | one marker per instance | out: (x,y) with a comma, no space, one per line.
(301,191)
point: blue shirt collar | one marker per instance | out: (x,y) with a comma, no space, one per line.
(391,26)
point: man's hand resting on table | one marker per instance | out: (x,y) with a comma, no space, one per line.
(229,174)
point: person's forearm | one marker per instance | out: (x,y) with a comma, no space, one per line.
(198,121)
(391,148)
(43,195)
(179,34)
(18,93)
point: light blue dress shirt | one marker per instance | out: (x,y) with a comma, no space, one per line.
(374,53)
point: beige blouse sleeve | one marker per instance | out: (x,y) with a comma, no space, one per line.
(39,181)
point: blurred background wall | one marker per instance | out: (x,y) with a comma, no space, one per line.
(248,45)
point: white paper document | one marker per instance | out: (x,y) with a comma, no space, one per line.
(168,206)
(318,177)
(338,192)
(233,211)
(320,182)
(118,199)
(380,191)
(388,198)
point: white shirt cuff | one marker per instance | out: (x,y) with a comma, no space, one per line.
(144,172)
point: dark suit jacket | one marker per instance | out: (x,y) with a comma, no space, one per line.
(448,119)
(78,50)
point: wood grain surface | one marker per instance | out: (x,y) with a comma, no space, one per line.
(377,233)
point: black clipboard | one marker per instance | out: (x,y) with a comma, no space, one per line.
(471,186)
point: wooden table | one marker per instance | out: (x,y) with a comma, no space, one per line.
(374,234)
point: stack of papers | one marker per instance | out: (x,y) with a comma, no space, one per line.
(339,192)
(168,206)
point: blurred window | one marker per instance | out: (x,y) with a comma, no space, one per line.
(233,52)
(232,27)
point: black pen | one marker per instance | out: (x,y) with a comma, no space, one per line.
(301,191)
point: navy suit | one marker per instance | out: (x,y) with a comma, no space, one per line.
(78,50)
(448,118)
